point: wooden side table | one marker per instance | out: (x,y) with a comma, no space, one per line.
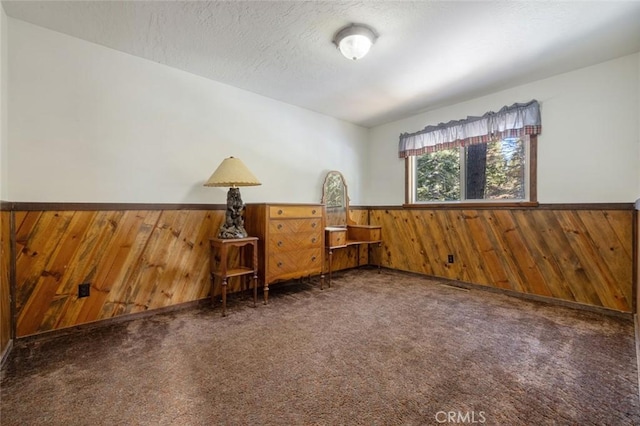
(220,268)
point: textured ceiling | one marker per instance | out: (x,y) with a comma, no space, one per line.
(429,53)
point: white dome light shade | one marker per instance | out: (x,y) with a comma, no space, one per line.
(354,41)
(355,46)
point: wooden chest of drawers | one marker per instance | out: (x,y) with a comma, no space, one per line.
(291,240)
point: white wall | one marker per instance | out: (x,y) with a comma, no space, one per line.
(4,170)
(91,124)
(589,149)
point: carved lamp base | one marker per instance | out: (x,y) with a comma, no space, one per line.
(231,232)
(233,225)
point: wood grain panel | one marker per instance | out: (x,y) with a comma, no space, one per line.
(134,261)
(138,260)
(347,257)
(361,255)
(5,283)
(583,256)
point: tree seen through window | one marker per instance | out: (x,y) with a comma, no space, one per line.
(491,171)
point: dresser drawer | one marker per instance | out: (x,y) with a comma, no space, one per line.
(294,211)
(335,237)
(296,241)
(294,226)
(294,264)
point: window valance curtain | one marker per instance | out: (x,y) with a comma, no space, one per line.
(516,120)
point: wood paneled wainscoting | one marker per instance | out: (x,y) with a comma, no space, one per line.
(135,260)
(576,253)
(139,258)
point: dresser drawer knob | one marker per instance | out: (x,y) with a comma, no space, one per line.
(313,211)
(313,225)
(313,258)
(279,243)
(279,264)
(313,240)
(280,211)
(279,226)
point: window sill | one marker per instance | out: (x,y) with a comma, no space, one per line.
(471,206)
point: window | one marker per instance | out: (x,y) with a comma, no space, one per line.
(496,171)
(488,158)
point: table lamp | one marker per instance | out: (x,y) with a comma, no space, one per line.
(233,173)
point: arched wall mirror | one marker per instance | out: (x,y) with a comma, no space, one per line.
(336,199)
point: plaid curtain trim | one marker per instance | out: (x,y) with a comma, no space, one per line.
(523,119)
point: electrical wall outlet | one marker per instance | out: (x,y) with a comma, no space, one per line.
(84,290)
(450,258)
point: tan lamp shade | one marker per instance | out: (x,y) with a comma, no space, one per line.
(232,172)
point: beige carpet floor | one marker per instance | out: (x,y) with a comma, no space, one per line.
(375,349)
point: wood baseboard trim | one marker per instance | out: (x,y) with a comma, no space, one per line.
(6,353)
(525,296)
(53,334)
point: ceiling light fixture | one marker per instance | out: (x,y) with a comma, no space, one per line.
(355,40)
